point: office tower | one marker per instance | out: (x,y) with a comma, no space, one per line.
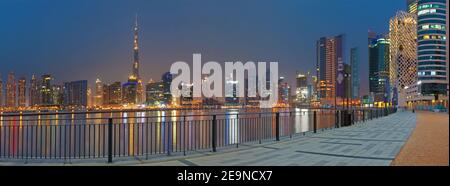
(112,94)
(22,92)
(403,52)
(46,90)
(379,58)
(432,52)
(411,6)
(330,72)
(11,94)
(167,81)
(187,96)
(34,92)
(140,95)
(98,97)
(1,91)
(302,93)
(115,93)
(348,87)
(283,91)
(231,87)
(154,93)
(57,95)
(129,91)
(354,64)
(75,93)
(90,97)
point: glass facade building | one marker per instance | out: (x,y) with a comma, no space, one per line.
(432,51)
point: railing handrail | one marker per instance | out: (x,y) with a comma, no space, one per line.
(148,117)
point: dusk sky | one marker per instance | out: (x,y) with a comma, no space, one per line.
(86,39)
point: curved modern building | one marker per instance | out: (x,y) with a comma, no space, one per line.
(432,51)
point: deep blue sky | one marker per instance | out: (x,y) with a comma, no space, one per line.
(85,39)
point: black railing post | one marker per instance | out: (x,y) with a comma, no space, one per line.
(110,137)
(363,116)
(277,126)
(336,118)
(214,134)
(169,138)
(315,121)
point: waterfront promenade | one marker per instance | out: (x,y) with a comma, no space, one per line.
(428,144)
(375,142)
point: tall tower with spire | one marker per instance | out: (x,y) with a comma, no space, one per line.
(136,50)
(133,91)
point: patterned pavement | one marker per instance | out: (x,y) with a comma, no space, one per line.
(374,143)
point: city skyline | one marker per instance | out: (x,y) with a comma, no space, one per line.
(156,58)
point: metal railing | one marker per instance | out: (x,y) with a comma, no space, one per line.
(109,138)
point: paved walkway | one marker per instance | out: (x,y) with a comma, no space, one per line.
(376,142)
(428,144)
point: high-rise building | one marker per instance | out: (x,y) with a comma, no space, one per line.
(98,98)
(1,91)
(135,72)
(330,68)
(403,52)
(57,95)
(354,64)
(34,92)
(411,6)
(302,93)
(11,94)
(46,90)
(348,87)
(154,93)
(22,92)
(167,81)
(133,90)
(129,91)
(231,87)
(283,92)
(75,93)
(379,58)
(432,52)
(112,94)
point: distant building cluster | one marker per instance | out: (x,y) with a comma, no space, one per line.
(408,67)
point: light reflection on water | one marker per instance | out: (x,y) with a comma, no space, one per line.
(81,134)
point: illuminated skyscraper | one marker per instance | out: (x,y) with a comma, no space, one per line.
(133,90)
(57,95)
(98,98)
(302,93)
(167,81)
(22,92)
(129,91)
(1,91)
(330,68)
(354,63)
(154,93)
(136,50)
(46,90)
(432,52)
(379,59)
(75,93)
(403,52)
(411,6)
(11,94)
(112,94)
(34,92)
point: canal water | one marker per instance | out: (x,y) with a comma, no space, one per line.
(58,136)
